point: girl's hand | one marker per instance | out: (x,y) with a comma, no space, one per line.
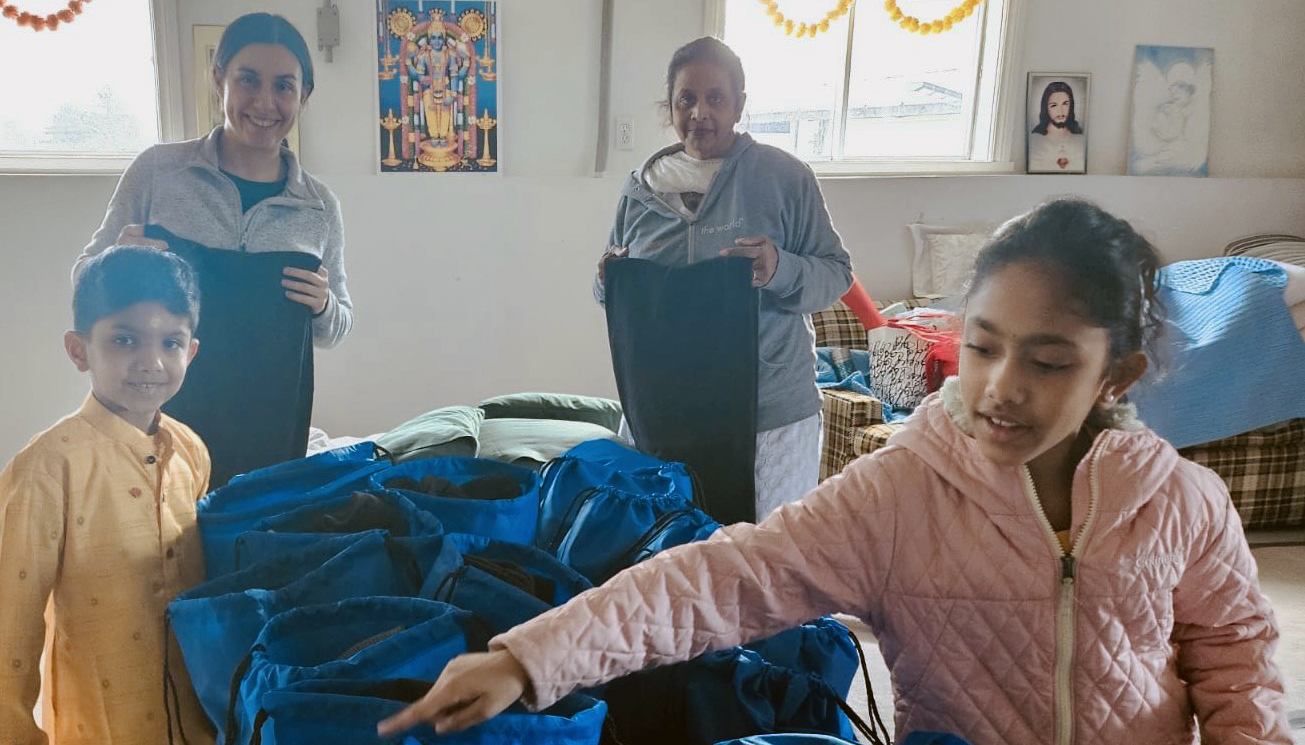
(134,235)
(472,688)
(309,288)
(764,255)
(612,252)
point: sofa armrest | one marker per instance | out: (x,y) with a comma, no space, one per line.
(845,413)
(849,409)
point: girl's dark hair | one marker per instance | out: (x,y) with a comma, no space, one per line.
(1107,270)
(122,276)
(706,49)
(263,28)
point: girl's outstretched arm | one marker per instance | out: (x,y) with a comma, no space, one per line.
(829,552)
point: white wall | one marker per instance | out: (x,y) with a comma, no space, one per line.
(472,286)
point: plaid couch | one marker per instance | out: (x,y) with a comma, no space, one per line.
(1264,468)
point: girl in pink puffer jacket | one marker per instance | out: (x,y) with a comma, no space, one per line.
(1036,565)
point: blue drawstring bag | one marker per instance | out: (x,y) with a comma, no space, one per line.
(610,529)
(216,622)
(341,712)
(915,738)
(821,647)
(506,507)
(725,694)
(355,513)
(503,584)
(602,463)
(361,639)
(225,513)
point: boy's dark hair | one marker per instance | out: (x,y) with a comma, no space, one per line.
(1107,270)
(121,276)
(705,49)
(264,28)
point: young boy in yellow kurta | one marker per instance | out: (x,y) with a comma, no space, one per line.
(98,512)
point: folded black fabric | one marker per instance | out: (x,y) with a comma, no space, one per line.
(684,351)
(249,391)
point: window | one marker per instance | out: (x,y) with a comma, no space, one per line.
(91,95)
(869,97)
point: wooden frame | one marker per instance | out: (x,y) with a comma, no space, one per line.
(1056,130)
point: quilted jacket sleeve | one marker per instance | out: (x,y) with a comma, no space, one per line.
(1225,632)
(829,552)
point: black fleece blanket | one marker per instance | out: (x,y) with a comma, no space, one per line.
(249,392)
(684,351)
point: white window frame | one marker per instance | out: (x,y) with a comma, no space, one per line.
(1004,91)
(167,74)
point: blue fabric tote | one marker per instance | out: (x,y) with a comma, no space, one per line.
(503,584)
(508,515)
(603,463)
(362,639)
(608,529)
(343,712)
(216,622)
(225,513)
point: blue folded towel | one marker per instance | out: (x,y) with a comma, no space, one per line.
(1232,359)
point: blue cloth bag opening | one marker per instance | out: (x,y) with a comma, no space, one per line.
(225,513)
(369,638)
(342,712)
(355,513)
(502,500)
(502,583)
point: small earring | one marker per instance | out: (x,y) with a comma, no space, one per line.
(1109,399)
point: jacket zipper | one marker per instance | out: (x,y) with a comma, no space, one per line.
(1062,692)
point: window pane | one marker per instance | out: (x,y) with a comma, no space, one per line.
(794,85)
(910,94)
(87,88)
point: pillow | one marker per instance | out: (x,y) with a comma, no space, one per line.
(452,430)
(601,411)
(1245,246)
(944,258)
(533,442)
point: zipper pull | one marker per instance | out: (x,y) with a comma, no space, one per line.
(1067,567)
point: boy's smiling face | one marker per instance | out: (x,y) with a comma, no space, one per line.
(137,359)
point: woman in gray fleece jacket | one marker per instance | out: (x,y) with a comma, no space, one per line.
(720,193)
(239,187)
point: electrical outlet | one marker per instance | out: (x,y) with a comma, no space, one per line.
(624,133)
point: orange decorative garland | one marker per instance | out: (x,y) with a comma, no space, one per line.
(39,22)
(801,28)
(911,23)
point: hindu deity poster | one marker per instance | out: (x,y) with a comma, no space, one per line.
(438,85)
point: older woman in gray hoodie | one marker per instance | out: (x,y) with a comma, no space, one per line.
(718,192)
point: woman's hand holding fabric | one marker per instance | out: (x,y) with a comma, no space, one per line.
(472,688)
(612,252)
(764,255)
(308,287)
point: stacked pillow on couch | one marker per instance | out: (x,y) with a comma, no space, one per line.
(523,428)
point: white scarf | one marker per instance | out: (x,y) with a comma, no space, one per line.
(680,172)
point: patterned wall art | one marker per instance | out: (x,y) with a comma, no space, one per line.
(438,92)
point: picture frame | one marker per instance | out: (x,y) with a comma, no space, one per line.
(208,104)
(1169,132)
(1056,122)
